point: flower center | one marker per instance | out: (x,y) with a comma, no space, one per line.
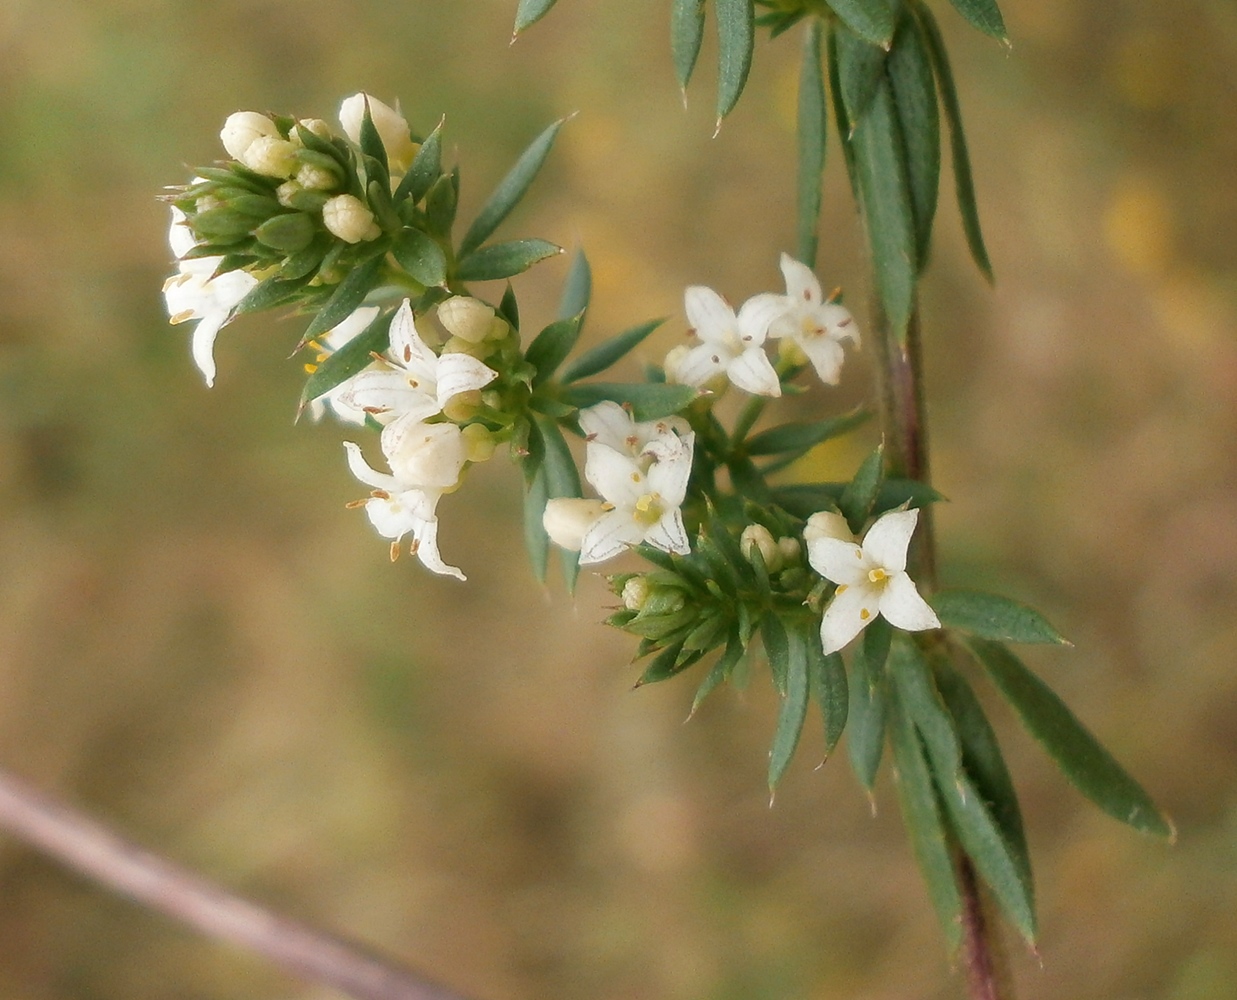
(648,510)
(877,576)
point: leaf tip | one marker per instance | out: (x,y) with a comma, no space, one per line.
(717,127)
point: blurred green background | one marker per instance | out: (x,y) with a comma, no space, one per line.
(200,644)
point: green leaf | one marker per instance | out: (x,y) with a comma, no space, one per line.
(812,119)
(840,118)
(866,718)
(562,480)
(922,815)
(914,94)
(777,649)
(992,617)
(871,20)
(1088,766)
(530,12)
(551,346)
(885,198)
(984,15)
(648,401)
(421,256)
(963,180)
(667,664)
(510,190)
(375,153)
(354,356)
(287,232)
(917,694)
(426,168)
(981,755)
(601,357)
(535,539)
(686,34)
(827,673)
(577,289)
(348,294)
(509,309)
(721,671)
(441,202)
(794,706)
(503,260)
(736,37)
(861,66)
(269,293)
(799,438)
(860,494)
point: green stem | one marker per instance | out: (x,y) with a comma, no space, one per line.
(903,416)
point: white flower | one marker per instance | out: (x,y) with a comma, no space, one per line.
(242,129)
(415,383)
(567,519)
(730,345)
(338,400)
(871,576)
(426,456)
(610,424)
(816,325)
(642,497)
(395,509)
(195,292)
(392,128)
(349,218)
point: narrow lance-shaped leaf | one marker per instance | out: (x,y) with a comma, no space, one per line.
(605,354)
(530,12)
(420,255)
(348,294)
(551,346)
(885,198)
(577,289)
(375,152)
(720,672)
(922,815)
(860,494)
(686,34)
(914,94)
(354,356)
(1088,766)
(648,401)
(425,169)
(860,67)
(811,125)
(871,20)
(777,647)
(562,480)
(799,437)
(794,707)
(984,15)
(827,674)
(989,616)
(918,696)
(963,180)
(504,260)
(736,37)
(841,119)
(805,499)
(509,308)
(536,540)
(866,720)
(510,190)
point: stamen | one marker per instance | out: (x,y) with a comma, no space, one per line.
(380,495)
(877,575)
(865,614)
(407,353)
(309,369)
(354,504)
(395,550)
(835,295)
(181,317)
(843,588)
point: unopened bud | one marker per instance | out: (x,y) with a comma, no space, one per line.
(635,592)
(566,519)
(315,125)
(790,352)
(457,345)
(391,126)
(757,536)
(242,128)
(467,318)
(479,443)
(674,361)
(463,406)
(789,549)
(316,178)
(270,156)
(347,217)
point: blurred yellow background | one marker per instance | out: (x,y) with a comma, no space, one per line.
(201,645)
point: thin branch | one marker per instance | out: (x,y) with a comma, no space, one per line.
(91,849)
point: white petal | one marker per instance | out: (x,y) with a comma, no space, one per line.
(407,347)
(801,284)
(427,551)
(839,561)
(614,475)
(461,373)
(390,518)
(180,236)
(669,534)
(826,355)
(567,519)
(838,321)
(758,314)
(752,372)
(848,614)
(701,363)
(389,390)
(356,323)
(202,345)
(668,476)
(609,424)
(828,524)
(708,313)
(611,535)
(903,607)
(369,476)
(887,540)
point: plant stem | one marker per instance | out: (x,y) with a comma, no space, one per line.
(903,415)
(91,849)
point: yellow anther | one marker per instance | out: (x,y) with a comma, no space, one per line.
(865,614)
(648,510)
(877,575)
(310,369)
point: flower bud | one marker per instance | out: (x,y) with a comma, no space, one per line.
(270,156)
(347,217)
(463,406)
(790,352)
(635,592)
(566,519)
(242,128)
(757,536)
(428,456)
(790,550)
(315,125)
(479,443)
(457,345)
(316,178)
(467,318)
(391,126)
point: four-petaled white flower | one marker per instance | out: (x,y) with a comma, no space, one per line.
(610,424)
(730,345)
(335,399)
(642,497)
(397,508)
(871,576)
(804,315)
(196,292)
(414,384)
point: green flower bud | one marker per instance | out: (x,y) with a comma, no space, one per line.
(287,233)
(479,441)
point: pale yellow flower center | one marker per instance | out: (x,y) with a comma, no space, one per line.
(877,575)
(648,510)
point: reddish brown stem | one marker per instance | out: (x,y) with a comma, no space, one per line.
(91,849)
